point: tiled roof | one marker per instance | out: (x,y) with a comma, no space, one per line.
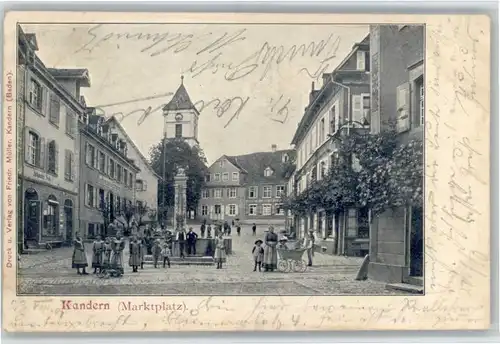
(254,165)
(180,100)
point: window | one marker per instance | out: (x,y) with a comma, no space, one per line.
(225,176)
(204,193)
(90,156)
(102,162)
(35,95)
(268,172)
(252,192)
(53,154)
(89,196)
(217,209)
(51,217)
(310,143)
(420,102)
(363,223)
(280,190)
(360,60)
(178,130)
(207,178)
(204,210)
(111,168)
(279,209)
(232,209)
(266,209)
(366,109)
(138,185)
(266,192)
(91,230)
(217,177)
(221,163)
(232,193)
(252,209)
(218,193)
(352,225)
(235,176)
(69,161)
(284,158)
(119,170)
(322,170)
(34,149)
(322,134)
(125,176)
(55,108)
(131,181)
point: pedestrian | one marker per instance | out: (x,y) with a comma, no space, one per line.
(191,242)
(79,259)
(135,256)
(107,253)
(156,252)
(97,254)
(143,242)
(117,247)
(270,253)
(165,253)
(202,230)
(238,230)
(181,240)
(258,255)
(229,229)
(220,250)
(309,243)
(232,223)
(209,231)
(254,229)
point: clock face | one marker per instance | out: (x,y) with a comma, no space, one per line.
(178,117)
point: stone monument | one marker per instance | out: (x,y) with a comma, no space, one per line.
(180,184)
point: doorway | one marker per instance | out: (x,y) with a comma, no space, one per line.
(32,218)
(416,243)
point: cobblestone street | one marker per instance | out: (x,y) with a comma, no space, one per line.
(50,273)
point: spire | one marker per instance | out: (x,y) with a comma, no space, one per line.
(180,100)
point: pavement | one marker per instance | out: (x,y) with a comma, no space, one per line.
(50,273)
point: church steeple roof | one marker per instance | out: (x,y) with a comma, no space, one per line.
(180,100)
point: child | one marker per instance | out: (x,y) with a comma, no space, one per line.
(165,253)
(97,254)
(156,252)
(107,253)
(258,254)
(282,244)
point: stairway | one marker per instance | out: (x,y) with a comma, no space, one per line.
(414,285)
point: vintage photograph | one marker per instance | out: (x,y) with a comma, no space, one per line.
(220,159)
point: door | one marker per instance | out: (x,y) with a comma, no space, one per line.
(32,217)
(416,243)
(68,219)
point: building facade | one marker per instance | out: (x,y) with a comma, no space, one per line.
(246,187)
(49,104)
(340,107)
(146,180)
(107,175)
(397,90)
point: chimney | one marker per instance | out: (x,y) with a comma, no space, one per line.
(312,94)
(273,148)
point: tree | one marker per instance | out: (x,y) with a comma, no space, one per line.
(178,154)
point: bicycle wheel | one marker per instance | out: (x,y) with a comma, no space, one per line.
(283,266)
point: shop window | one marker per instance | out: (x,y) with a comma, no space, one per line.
(51,217)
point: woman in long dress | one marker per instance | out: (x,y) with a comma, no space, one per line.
(107,253)
(118,245)
(270,253)
(143,242)
(79,259)
(97,254)
(135,254)
(220,250)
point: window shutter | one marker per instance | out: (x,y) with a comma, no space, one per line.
(96,197)
(87,153)
(56,157)
(403,107)
(96,158)
(86,194)
(42,153)
(361,63)
(259,209)
(227,192)
(26,144)
(72,165)
(357,108)
(45,101)
(236,210)
(337,116)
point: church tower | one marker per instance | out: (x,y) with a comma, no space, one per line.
(181,117)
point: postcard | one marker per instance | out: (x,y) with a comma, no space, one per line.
(235,172)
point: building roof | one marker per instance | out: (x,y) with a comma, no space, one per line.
(71,73)
(180,100)
(254,164)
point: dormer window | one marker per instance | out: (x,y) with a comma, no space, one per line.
(285,158)
(84,118)
(268,172)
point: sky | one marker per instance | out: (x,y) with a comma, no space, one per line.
(251,83)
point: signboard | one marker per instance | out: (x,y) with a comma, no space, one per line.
(42,176)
